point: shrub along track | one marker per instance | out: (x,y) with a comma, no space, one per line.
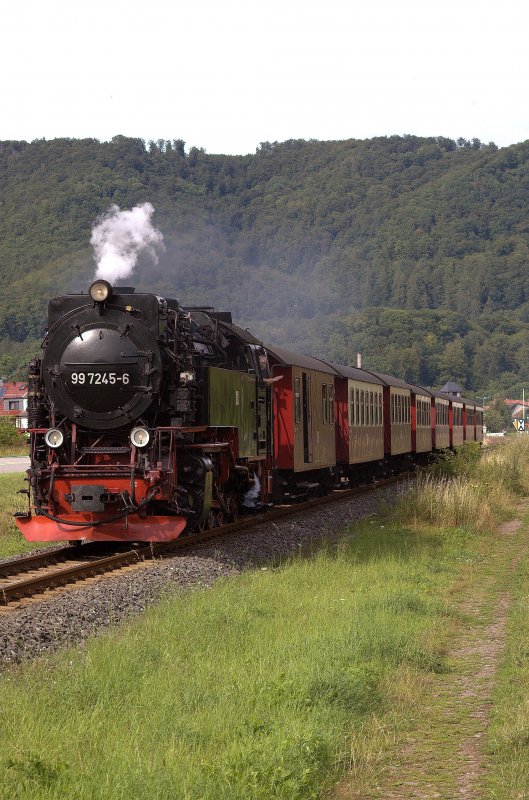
(68,615)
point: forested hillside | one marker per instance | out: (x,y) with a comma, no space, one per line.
(414,251)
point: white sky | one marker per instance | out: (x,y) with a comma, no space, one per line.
(228,74)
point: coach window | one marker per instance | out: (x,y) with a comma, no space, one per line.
(351,407)
(357,405)
(375,399)
(362,420)
(331,404)
(371,408)
(324,403)
(297,400)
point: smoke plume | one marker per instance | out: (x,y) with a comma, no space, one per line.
(119,237)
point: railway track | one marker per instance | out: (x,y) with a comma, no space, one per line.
(37,573)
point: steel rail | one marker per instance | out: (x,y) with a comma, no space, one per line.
(93,564)
(40,560)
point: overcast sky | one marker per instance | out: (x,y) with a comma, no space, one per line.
(228,74)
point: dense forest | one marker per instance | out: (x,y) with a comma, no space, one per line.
(413,251)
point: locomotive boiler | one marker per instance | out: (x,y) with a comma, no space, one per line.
(145,419)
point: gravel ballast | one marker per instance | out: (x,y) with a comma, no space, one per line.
(71,617)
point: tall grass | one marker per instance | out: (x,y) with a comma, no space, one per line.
(469,488)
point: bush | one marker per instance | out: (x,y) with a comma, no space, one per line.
(463,461)
(10,435)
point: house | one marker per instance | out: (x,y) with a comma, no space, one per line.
(452,388)
(14,401)
(517,408)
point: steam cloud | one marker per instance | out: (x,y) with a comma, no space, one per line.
(119,237)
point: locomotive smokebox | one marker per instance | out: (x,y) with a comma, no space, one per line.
(102,364)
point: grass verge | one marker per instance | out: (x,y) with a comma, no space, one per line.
(11,540)
(508,740)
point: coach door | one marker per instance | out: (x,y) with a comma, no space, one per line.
(306,391)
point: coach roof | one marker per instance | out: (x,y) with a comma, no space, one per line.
(390,380)
(290,359)
(354,373)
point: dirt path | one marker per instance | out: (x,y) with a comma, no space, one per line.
(443,755)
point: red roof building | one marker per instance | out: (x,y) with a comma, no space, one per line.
(14,400)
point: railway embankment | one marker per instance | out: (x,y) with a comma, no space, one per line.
(392,664)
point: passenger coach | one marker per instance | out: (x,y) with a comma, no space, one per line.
(304,422)
(359,423)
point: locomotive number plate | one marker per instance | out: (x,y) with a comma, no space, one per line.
(89,378)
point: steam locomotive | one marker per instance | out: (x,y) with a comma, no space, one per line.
(147,419)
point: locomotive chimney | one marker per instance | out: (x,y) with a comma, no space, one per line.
(359,360)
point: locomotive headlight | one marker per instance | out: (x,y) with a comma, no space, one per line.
(54,438)
(100,291)
(140,437)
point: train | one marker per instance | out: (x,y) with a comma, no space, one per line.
(148,420)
